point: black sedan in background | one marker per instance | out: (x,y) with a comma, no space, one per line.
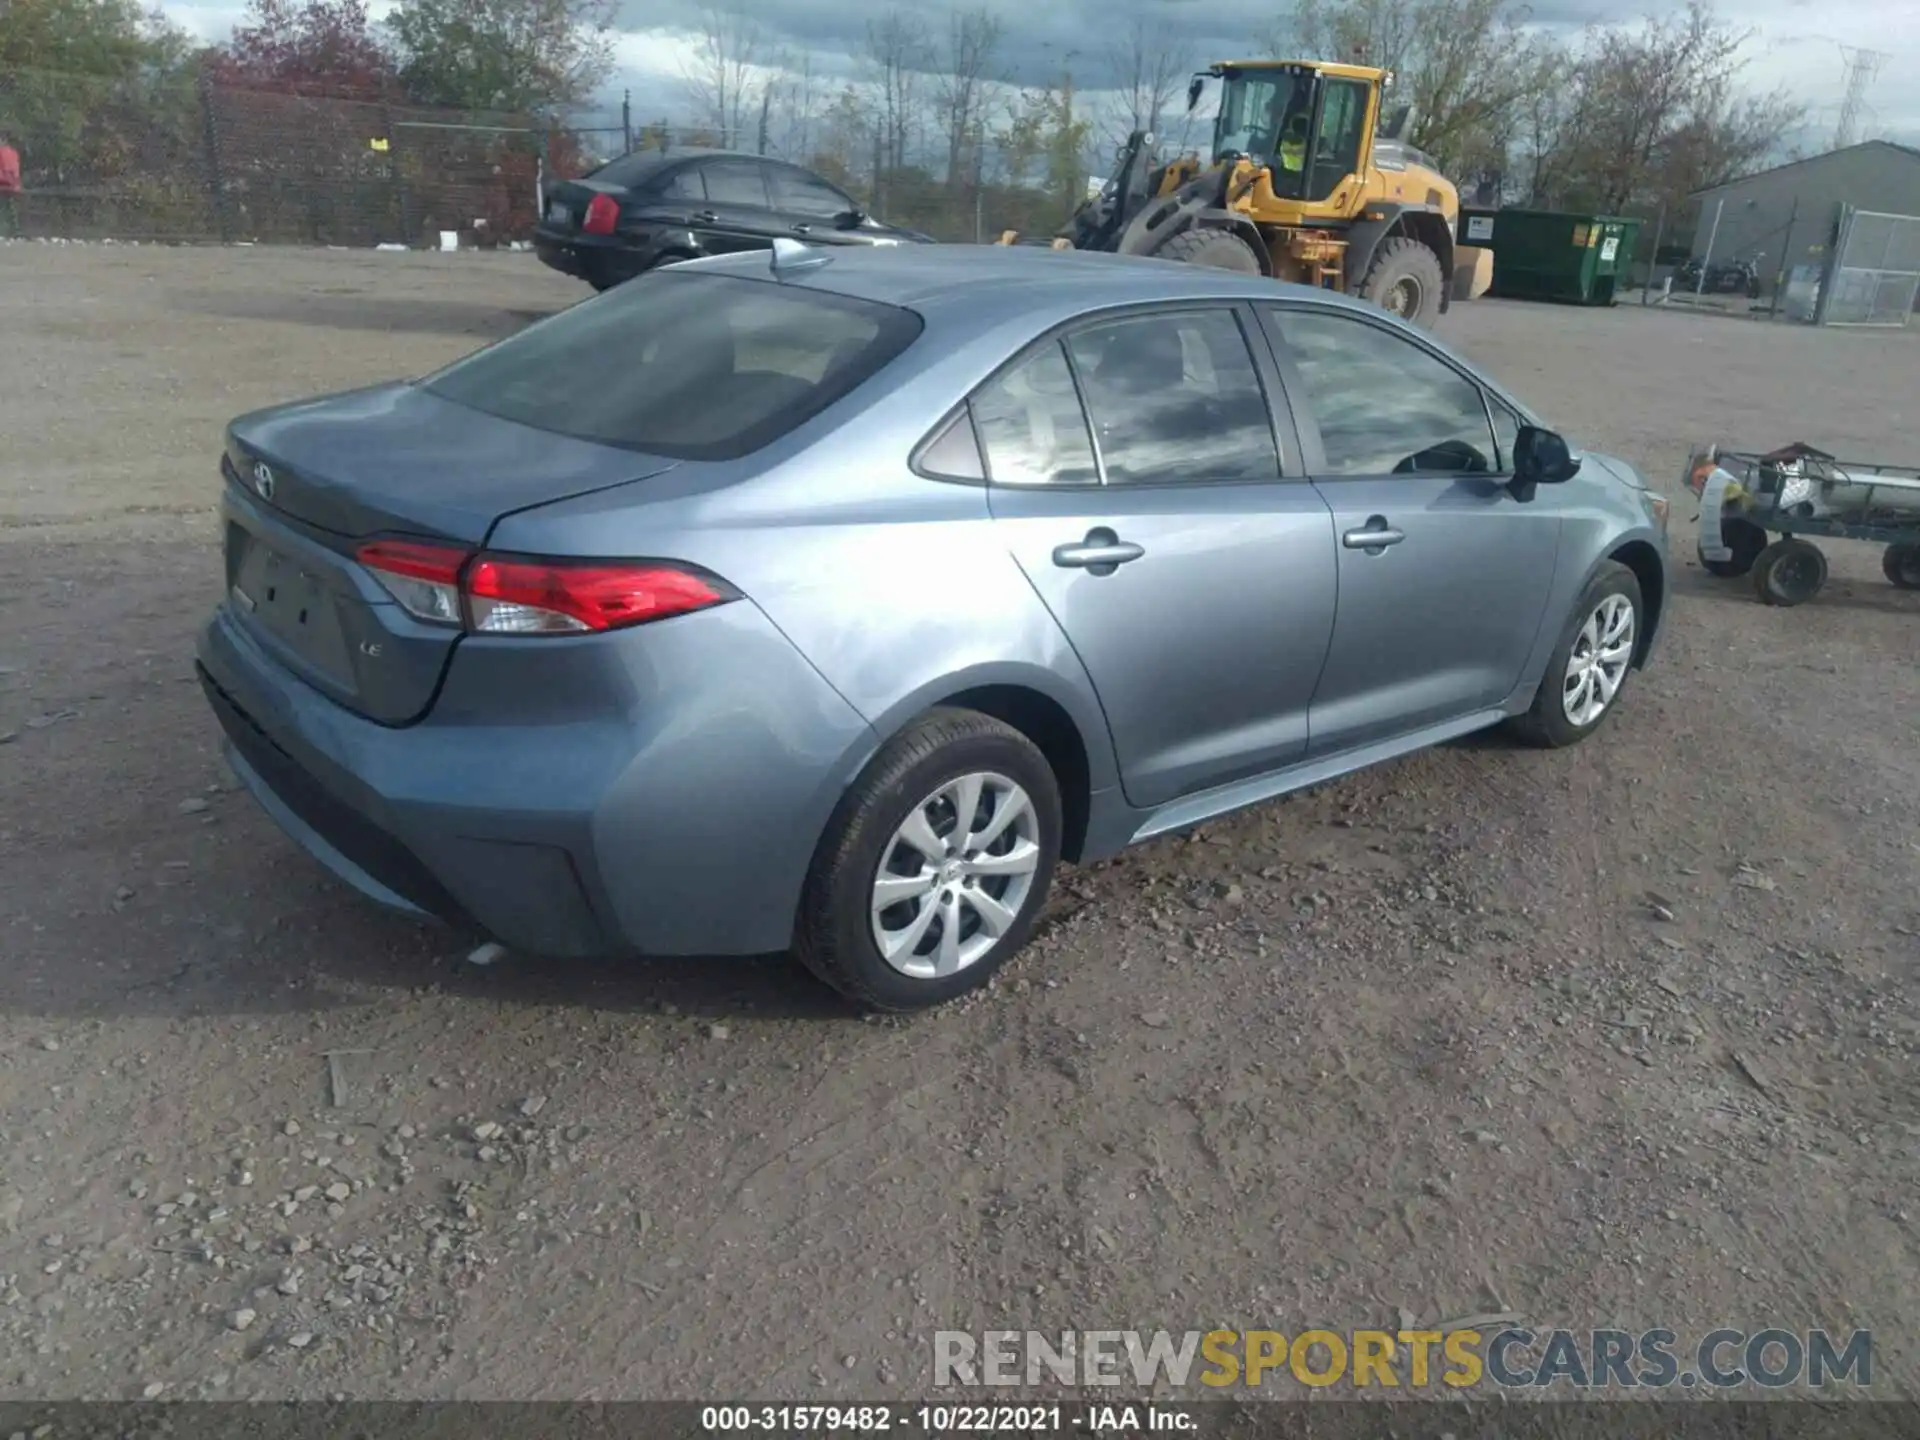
(657,207)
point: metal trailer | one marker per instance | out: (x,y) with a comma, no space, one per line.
(1794,492)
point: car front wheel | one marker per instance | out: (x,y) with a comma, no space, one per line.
(935,865)
(1590,665)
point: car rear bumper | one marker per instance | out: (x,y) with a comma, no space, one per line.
(647,793)
(597,260)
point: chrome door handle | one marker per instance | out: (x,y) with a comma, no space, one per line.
(803,229)
(1101,552)
(1377,537)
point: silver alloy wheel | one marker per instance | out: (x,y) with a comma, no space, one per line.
(955,875)
(1601,653)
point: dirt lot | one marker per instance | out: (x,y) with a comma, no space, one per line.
(1415,1045)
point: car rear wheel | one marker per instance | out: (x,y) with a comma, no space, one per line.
(1590,665)
(935,865)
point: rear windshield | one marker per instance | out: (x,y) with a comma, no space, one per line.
(629,170)
(691,366)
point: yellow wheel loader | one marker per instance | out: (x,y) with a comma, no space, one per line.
(1307,183)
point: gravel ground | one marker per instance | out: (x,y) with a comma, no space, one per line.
(1625,1035)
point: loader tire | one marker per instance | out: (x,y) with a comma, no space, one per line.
(1222,249)
(1405,279)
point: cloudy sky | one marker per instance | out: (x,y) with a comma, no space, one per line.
(1799,42)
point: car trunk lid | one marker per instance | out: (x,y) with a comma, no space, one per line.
(309,484)
(567,202)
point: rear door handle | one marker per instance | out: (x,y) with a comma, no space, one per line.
(803,229)
(1377,536)
(705,217)
(1102,552)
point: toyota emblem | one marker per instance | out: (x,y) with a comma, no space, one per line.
(263,479)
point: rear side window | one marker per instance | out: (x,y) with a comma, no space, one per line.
(682,184)
(690,366)
(1175,397)
(1032,426)
(736,182)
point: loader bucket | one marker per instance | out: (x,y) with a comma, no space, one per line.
(1472,272)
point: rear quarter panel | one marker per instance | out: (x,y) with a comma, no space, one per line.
(895,588)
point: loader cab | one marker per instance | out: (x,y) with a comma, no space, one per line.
(1310,125)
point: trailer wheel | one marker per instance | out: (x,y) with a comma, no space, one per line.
(1902,564)
(1222,249)
(1789,572)
(1745,539)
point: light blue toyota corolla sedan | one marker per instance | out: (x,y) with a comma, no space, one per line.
(828,602)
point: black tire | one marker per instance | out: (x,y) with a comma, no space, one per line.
(1901,564)
(1745,539)
(1222,249)
(834,935)
(1405,280)
(1546,722)
(1789,572)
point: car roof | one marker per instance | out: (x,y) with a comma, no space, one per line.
(989,284)
(683,154)
(970,292)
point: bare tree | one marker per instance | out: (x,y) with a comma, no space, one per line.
(845,139)
(725,81)
(796,103)
(1151,63)
(1365,32)
(1652,113)
(899,53)
(1469,68)
(1022,140)
(960,96)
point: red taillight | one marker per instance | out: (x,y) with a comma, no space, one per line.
(511,595)
(522,597)
(425,579)
(603,213)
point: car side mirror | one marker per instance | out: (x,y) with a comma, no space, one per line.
(1540,457)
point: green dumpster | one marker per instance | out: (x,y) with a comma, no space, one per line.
(1552,254)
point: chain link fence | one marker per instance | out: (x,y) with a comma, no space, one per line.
(1876,270)
(181,156)
(184,157)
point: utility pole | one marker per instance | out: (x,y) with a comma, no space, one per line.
(1706,261)
(1786,260)
(1653,260)
(979,180)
